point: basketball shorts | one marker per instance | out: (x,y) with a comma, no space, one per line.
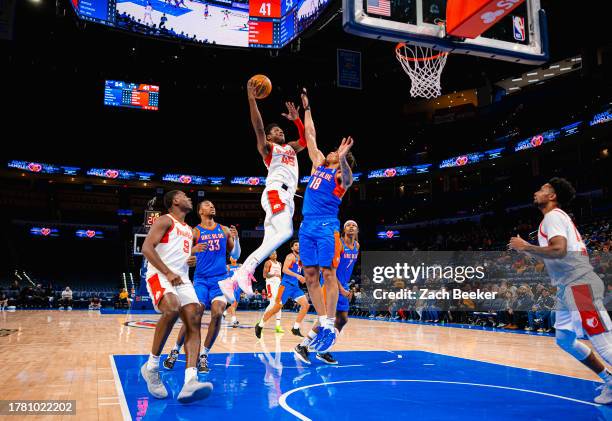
(580,307)
(158,286)
(290,291)
(272,285)
(207,289)
(320,242)
(275,200)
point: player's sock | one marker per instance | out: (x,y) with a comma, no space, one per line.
(308,339)
(606,376)
(190,374)
(234,320)
(331,321)
(205,351)
(278,320)
(296,325)
(153,363)
(323,320)
(261,323)
(177,348)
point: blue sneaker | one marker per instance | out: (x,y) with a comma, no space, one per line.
(325,342)
(316,342)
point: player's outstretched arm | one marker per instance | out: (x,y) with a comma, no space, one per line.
(292,114)
(156,233)
(262,145)
(316,156)
(345,169)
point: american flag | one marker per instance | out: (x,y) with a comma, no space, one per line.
(379,7)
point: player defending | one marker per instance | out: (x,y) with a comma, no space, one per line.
(167,248)
(210,269)
(348,258)
(320,245)
(579,290)
(282,180)
(292,269)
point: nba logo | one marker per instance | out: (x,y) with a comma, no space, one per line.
(518,24)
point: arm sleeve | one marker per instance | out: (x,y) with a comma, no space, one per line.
(300,126)
(235,253)
(554,225)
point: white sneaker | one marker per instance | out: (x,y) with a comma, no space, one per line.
(154,383)
(194,390)
(605,397)
(243,279)
(227,288)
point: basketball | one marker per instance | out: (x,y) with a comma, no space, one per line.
(263,86)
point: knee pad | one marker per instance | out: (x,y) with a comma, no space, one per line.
(566,339)
(603,345)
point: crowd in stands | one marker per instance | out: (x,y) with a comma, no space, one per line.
(46,296)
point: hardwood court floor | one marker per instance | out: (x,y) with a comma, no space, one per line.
(65,355)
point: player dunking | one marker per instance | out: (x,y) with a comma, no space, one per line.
(167,248)
(210,269)
(292,274)
(272,272)
(348,258)
(579,290)
(282,180)
(330,178)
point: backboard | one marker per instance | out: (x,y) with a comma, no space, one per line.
(520,36)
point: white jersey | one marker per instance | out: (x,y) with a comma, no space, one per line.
(575,266)
(282,167)
(276,271)
(174,249)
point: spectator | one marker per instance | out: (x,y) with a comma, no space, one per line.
(95,303)
(15,286)
(541,312)
(123,301)
(66,300)
(3,301)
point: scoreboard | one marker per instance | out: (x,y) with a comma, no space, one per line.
(131,95)
(273,23)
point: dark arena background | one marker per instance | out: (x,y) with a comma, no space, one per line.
(111,104)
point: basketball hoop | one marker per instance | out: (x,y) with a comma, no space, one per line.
(424,65)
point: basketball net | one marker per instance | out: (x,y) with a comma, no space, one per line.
(424,65)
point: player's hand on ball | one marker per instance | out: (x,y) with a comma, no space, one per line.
(518,244)
(292,112)
(251,89)
(174,279)
(233,231)
(191,261)
(345,146)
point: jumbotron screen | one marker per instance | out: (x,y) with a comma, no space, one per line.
(131,95)
(238,23)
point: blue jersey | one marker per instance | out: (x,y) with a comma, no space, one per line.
(292,280)
(211,262)
(323,195)
(348,258)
